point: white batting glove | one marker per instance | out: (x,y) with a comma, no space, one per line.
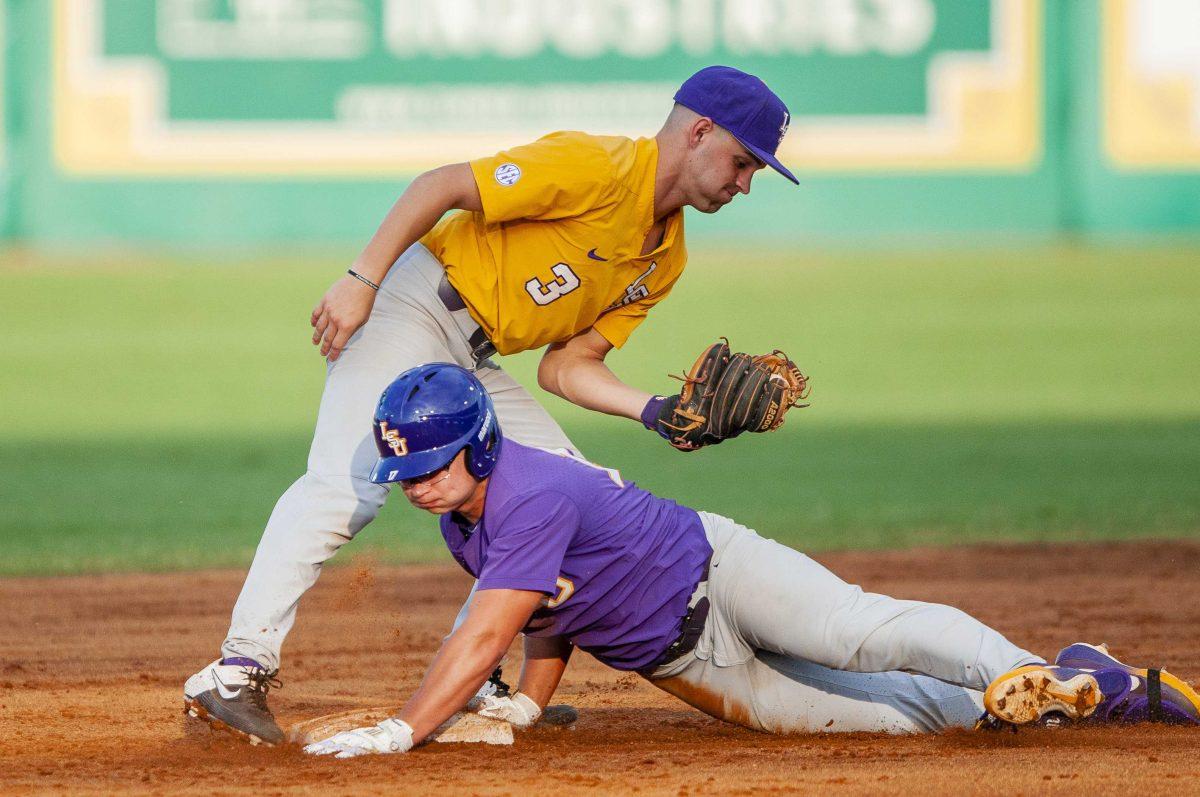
(389,736)
(516,709)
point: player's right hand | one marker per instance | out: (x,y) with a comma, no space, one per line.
(342,310)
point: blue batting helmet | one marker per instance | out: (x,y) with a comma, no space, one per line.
(429,414)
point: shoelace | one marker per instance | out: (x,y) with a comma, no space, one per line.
(259,683)
(496,680)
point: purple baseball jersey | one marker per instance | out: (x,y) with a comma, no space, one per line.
(617,564)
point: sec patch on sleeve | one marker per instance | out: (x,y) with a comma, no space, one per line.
(507,173)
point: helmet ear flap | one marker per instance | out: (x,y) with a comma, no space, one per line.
(481,456)
(471,460)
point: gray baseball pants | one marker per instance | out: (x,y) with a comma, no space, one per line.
(333,500)
(789,647)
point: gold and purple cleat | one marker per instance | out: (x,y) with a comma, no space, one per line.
(1087,683)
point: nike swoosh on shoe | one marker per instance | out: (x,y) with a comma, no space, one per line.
(228,694)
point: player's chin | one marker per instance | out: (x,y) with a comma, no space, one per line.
(716,204)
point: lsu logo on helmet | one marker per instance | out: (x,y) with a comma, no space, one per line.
(392,438)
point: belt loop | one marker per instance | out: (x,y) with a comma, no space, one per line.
(449,297)
(481,347)
(689,634)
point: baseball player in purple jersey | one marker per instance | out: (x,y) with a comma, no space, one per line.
(739,626)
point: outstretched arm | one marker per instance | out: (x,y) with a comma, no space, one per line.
(468,657)
(575,370)
(347,304)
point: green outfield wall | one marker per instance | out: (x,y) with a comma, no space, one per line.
(224,122)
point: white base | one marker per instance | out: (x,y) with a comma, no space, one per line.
(463,727)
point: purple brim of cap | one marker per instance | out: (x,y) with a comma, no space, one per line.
(766,158)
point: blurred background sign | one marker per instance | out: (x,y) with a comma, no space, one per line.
(331,87)
(230,121)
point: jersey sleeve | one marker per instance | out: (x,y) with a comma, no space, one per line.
(556,177)
(526,550)
(618,324)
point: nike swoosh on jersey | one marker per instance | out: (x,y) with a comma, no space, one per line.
(592,254)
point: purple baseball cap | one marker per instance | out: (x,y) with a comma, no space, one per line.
(743,105)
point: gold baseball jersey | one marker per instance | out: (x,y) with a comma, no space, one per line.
(557,248)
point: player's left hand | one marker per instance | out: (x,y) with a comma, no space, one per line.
(389,736)
(726,394)
(515,709)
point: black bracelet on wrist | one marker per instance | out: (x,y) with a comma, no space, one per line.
(361,278)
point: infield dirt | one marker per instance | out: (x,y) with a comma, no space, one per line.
(91,671)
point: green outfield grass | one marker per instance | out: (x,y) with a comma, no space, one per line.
(154,410)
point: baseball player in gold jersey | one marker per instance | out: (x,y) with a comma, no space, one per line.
(567,243)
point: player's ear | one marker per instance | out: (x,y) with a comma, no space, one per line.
(701,128)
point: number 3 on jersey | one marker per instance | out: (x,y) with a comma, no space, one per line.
(563,283)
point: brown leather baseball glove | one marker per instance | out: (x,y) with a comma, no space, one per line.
(727,393)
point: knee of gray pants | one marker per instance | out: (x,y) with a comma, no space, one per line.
(330,509)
